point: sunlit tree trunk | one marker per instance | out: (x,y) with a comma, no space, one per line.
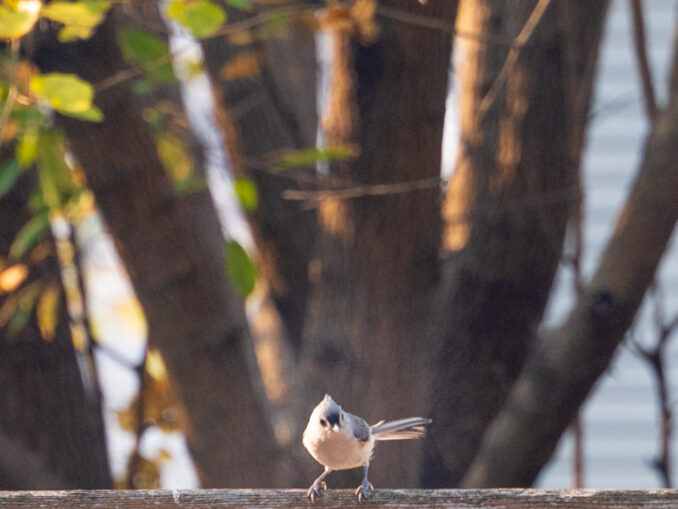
(375,265)
(506,208)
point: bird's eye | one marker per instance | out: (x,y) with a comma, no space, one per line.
(323,422)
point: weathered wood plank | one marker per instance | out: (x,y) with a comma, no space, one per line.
(502,498)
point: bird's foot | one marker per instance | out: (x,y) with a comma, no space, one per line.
(362,490)
(314,491)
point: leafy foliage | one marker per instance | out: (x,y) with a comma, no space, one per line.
(9,171)
(246,192)
(243,5)
(312,156)
(79,18)
(201,18)
(67,94)
(240,268)
(31,233)
(148,52)
(47,311)
(18,18)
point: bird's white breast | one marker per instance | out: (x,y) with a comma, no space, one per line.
(337,450)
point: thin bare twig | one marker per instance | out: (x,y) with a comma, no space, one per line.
(655,357)
(231,28)
(643,63)
(521,39)
(359,191)
(443,26)
(577,427)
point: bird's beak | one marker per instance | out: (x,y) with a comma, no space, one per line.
(335,427)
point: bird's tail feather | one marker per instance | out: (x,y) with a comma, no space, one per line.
(402,429)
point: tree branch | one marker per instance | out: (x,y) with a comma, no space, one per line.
(566,363)
(642,60)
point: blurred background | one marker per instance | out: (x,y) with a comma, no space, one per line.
(621,439)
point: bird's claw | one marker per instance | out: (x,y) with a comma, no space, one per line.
(362,490)
(314,491)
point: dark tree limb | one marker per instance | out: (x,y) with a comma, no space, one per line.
(566,363)
(644,70)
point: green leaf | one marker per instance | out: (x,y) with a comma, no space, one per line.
(142,87)
(9,171)
(201,18)
(311,156)
(27,148)
(65,93)
(240,269)
(15,23)
(79,18)
(74,33)
(23,312)
(29,235)
(174,157)
(54,174)
(146,51)
(243,5)
(246,192)
(93,114)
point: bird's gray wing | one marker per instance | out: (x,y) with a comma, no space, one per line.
(360,429)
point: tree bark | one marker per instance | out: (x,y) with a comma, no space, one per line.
(51,429)
(566,363)
(375,266)
(172,247)
(506,210)
(266,93)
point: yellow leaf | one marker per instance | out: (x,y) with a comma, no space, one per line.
(73,33)
(155,365)
(79,337)
(48,311)
(18,19)
(65,93)
(12,277)
(79,18)
(244,65)
(175,157)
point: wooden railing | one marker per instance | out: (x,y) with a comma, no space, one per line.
(504,498)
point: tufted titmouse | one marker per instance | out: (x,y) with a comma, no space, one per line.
(339,440)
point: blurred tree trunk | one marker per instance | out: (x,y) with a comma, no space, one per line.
(564,366)
(51,429)
(506,209)
(172,247)
(376,256)
(264,80)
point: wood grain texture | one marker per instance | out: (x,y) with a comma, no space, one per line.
(504,498)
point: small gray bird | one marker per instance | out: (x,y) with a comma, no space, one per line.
(339,441)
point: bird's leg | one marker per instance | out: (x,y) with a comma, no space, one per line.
(314,491)
(361,490)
